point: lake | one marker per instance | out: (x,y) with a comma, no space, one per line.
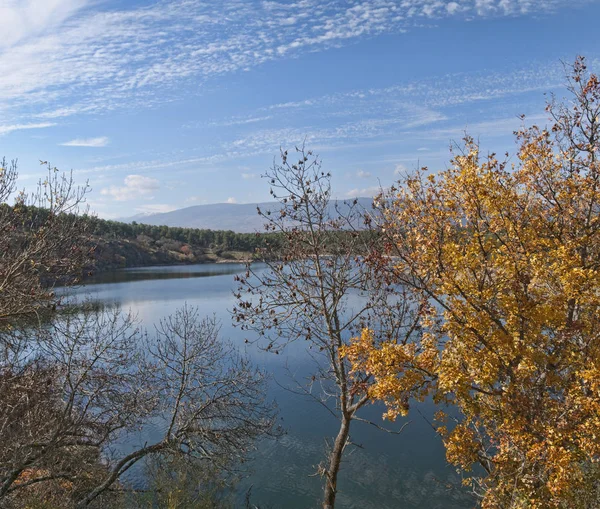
(387,471)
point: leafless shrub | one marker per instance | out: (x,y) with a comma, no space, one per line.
(74,384)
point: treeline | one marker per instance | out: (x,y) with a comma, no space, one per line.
(33,217)
(115,244)
(118,244)
(208,239)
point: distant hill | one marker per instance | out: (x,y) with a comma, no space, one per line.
(240,218)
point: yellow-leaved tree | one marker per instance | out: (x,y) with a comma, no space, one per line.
(509,257)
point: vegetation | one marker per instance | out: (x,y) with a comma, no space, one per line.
(478,287)
(41,241)
(73,386)
(508,258)
(304,295)
(207,239)
(114,230)
(112,244)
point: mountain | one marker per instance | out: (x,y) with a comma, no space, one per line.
(240,218)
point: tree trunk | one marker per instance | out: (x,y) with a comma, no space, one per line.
(335,459)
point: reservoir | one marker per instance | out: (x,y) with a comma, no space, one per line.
(383,470)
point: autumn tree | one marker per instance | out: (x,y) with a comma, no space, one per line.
(316,290)
(508,255)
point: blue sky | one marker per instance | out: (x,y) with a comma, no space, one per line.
(167,104)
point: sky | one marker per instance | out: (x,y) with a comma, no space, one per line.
(161,105)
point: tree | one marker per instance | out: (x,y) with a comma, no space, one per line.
(212,400)
(42,241)
(94,379)
(76,379)
(313,268)
(510,257)
(69,388)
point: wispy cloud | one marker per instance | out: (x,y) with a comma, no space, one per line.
(496,127)
(77,58)
(239,121)
(365,192)
(400,169)
(87,142)
(23,19)
(402,117)
(5,129)
(155,208)
(425,97)
(136,186)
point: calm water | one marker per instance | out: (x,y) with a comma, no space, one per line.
(388,471)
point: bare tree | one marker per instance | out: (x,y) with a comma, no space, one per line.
(68,391)
(313,268)
(212,400)
(92,379)
(43,240)
(76,381)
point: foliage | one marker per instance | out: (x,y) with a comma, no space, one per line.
(208,239)
(509,259)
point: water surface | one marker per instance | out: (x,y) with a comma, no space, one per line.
(383,471)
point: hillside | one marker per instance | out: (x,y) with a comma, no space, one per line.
(110,254)
(239,218)
(120,245)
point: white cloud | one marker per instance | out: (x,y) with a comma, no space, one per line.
(102,141)
(367,192)
(231,199)
(400,169)
(136,186)
(452,7)
(5,129)
(240,121)
(394,121)
(73,56)
(363,174)
(249,176)
(22,19)
(491,128)
(155,208)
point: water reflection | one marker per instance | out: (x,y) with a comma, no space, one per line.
(167,272)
